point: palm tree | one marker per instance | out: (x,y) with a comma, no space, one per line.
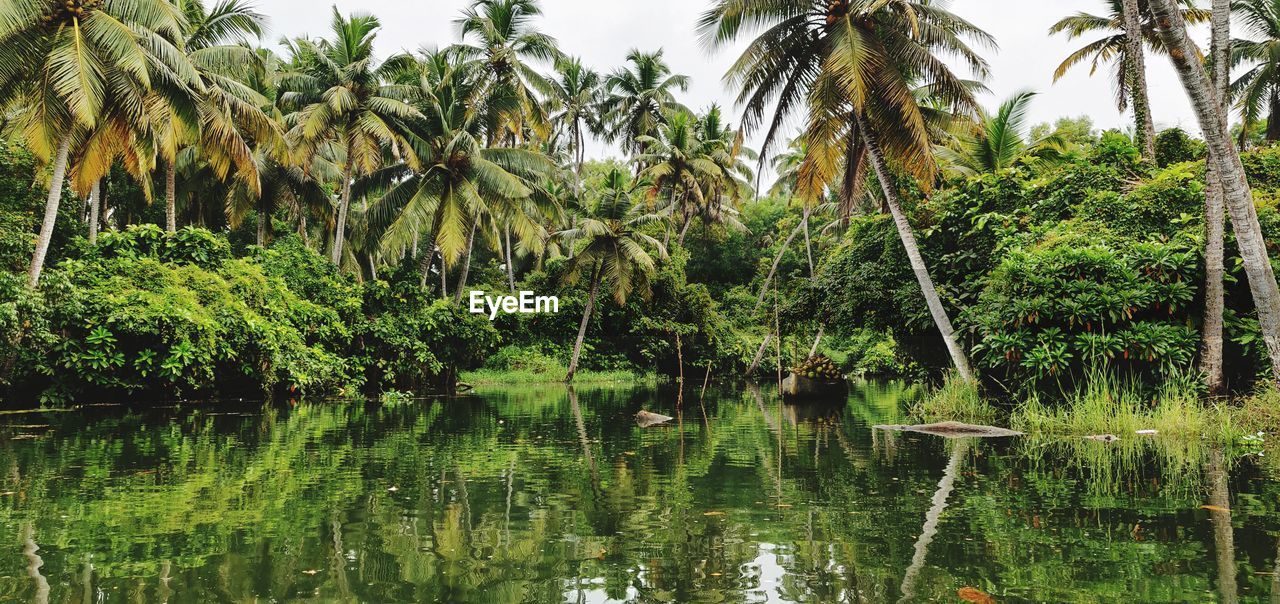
(343,107)
(855,66)
(68,64)
(226,118)
(1237,196)
(1000,141)
(638,98)
(1258,88)
(454,185)
(724,146)
(574,101)
(504,41)
(677,161)
(1124,52)
(616,250)
(1211,332)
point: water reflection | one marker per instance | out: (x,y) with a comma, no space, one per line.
(550,494)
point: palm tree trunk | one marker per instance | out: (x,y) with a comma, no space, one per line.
(261,236)
(755,362)
(817,339)
(908,238)
(1211,336)
(684,229)
(511,270)
(1238,199)
(466,263)
(1273,118)
(424,263)
(171,196)
(95,205)
(1136,66)
(343,204)
(50,212)
(444,276)
(582,327)
(808,245)
(764,289)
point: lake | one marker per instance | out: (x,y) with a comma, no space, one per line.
(542,494)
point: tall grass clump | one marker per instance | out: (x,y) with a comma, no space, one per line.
(956,399)
(1109,404)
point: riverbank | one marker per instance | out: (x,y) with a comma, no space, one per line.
(489,377)
(1107,406)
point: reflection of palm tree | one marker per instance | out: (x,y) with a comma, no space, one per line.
(34,562)
(931,519)
(1220,515)
(582,438)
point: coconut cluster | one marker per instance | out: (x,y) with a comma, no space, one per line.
(818,367)
(65,11)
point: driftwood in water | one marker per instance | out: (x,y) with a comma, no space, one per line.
(645,419)
(954,430)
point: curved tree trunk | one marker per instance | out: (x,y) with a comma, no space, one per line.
(95,205)
(755,362)
(1211,336)
(171,196)
(773,269)
(908,238)
(1237,196)
(50,212)
(344,203)
(582,327)
(1136,68)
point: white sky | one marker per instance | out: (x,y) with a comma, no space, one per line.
(602,31)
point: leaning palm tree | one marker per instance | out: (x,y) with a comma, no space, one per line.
(1125,53)
(639,97)
(1237,196)
(343,108)
(616,251)
(68,64)
(500,37)
(1258,88)
(999,141)
(854,65)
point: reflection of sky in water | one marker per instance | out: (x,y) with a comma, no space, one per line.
(530,495)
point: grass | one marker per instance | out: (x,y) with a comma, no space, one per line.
(551,376)
(1107,404)
(955,400)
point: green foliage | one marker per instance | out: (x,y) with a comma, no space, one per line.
(1175,146)
(1074,303)
(151,314)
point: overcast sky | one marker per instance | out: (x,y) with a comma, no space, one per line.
(602,31)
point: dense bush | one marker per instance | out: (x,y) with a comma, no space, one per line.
(146,313)
(1050,272)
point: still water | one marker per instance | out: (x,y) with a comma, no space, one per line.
(540,494)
